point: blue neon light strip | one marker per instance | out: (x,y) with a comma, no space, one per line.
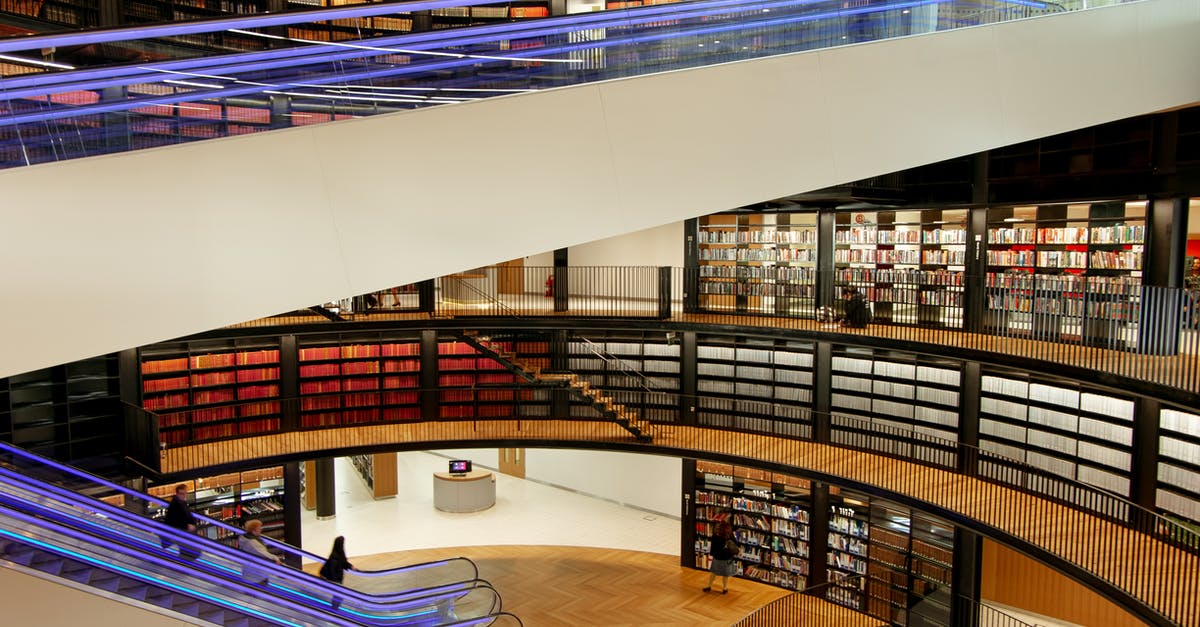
(75,472)
(106,565)
(452,37)
(181,539)
(73,111)
(16,44)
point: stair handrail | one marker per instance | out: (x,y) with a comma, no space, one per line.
(282,546)
(491,298)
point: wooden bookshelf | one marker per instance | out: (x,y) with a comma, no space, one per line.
(769,518)
(378,472)
(472,384)
(362,379)
(234,498)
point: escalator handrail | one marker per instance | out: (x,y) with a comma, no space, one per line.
(200,545)
(93,540)
(282,546)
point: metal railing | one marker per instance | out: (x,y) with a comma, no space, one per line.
(1109,325)
(1111,533)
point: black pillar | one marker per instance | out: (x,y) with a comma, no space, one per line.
(822,392)
(561,287)
(1143,480)
(687,378)
(560,361)
(968,418)
(826,223)
(818,537)
(558,7)
(664,292)
(289,382)
(964,578)
(974,295)
(427,296)
(687,536)
(326,489)
(112,13)
(292,509)
(691,266)
(1162,302)
(422,21)
(979,179)
(429,374)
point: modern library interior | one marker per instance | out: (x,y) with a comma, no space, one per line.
(540,394)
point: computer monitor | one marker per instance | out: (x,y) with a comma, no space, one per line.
(460,466)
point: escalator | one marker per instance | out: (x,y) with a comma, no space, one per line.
(563,130)
(58,532)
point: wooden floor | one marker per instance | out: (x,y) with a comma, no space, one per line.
(580,586)
(1165,578)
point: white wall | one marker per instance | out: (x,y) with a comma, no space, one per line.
(649,482)
(30,600)
(657,246)
(156,244)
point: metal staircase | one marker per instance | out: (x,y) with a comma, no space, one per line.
(643,430)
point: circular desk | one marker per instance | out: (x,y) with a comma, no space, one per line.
(467,492)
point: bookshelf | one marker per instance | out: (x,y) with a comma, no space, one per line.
(359,379)
(909,264)
(902,391)
(1065,272)
(204,393)
(234,498)
(847,540)
(769,513)
(471,384)
(653,354)
(378,472)
(1064,428)
(758,262)
(1179,462)
(68,412)
(755,383)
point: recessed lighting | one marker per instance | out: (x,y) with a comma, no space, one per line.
(717,41)
(904,12)
(1012,219)
(701,45)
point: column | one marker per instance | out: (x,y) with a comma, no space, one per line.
(687,378)
(687,536)
(561,286)
(691,265)
(968,418)
(818,537)
(289,382)
(822,392)
(964,578)
(560,355)
(1143,480)
(427,296)
(326,489)
(292,510)
(826,221)
(1162,302)
(429,374)
(974,295)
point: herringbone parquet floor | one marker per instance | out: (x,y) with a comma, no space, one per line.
(550,586)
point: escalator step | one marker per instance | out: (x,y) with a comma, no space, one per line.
(76,572)
(160,597)
(212,614)
(184,605)
(104,581)
(133,589)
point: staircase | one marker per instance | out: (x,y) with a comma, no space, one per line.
(642,430)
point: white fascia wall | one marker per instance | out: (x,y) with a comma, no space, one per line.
(117,251)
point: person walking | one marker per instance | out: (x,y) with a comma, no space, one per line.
(335,566)
(252,542)
(179,515)
(724,548)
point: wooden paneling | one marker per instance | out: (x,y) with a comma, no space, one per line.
(310,485)
(510,276)
(384,480)
(1010,578)
(512,462)
(1169,580)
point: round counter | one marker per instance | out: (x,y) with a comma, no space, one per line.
(459,493)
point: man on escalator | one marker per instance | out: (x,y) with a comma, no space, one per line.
(180,516)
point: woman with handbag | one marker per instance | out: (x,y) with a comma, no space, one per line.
(724,549)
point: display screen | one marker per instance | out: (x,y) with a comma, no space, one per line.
(460,465)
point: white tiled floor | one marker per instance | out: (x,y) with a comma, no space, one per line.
(526,512)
